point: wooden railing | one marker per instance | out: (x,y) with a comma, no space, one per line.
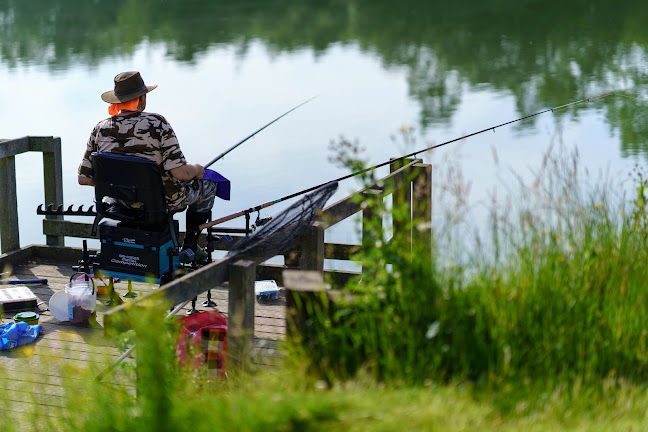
(409,183)
(52,183)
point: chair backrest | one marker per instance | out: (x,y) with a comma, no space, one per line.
(127,180)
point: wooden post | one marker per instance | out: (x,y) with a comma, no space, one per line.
(9,237)
(312,248)
(369,216)
(240,330)
(402,202)
(372,224)
(304,289)
(53,181)
(422,208)
(53,185)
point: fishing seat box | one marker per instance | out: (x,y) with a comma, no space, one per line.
(128,250)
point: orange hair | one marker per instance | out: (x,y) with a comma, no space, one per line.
(131,105)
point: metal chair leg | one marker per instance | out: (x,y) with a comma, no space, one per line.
(130,293)
(193,309)
(113,297)
(209,302)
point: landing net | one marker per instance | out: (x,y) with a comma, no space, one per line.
(286,228)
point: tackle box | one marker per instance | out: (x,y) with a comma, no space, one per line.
(128,251)
(17,298)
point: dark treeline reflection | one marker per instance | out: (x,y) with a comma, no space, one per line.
(545,54)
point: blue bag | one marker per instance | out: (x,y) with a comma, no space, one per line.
(16,334)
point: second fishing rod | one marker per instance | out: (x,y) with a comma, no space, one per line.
(222,155)
(357,173)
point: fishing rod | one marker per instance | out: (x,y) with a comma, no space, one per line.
(220,156)
(287,197)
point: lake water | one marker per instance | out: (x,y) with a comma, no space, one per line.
(378,67)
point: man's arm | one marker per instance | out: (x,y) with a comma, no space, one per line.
(85,181)
(187,172)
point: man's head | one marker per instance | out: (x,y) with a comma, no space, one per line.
(128,86)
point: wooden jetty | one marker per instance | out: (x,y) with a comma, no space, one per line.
(254,335)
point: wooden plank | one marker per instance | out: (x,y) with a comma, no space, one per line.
(296,280)
(84,230)
(56,253)
(340,210)
(14,258)
(46,355)
(72,381)
(67,228)
(44,144)
(13,147)
(274,271)
(340,251)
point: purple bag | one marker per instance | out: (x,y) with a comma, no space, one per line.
(223,185)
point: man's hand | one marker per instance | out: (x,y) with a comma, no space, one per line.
(85,181)
(188,172)
(201,171)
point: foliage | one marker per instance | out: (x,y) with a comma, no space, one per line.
(557,295)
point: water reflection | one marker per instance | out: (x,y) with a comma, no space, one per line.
(545,54)
(226,68)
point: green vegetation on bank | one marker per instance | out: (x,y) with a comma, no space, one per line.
(542,325)
(556,293)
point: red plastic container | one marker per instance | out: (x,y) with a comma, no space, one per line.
(205,335)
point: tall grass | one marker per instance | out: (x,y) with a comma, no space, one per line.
(559,293)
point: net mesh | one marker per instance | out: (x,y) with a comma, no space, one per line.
(286,228)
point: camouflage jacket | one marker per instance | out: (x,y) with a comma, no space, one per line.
(145,135)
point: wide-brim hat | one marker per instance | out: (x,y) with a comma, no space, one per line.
(128,86)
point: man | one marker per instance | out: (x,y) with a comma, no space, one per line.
(131,131)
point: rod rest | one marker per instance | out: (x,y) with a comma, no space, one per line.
(50,211)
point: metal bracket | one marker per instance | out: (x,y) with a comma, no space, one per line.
(69,212)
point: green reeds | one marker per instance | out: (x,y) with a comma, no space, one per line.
(558,292)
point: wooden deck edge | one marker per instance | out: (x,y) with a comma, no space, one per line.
(31,252)
(73,254)
(17,257)
(59,253)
